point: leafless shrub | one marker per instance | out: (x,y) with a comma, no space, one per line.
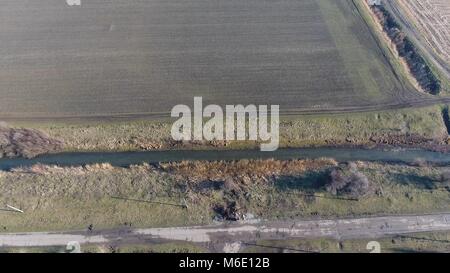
(348,181)
(229,211)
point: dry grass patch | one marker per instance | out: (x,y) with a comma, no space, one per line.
(398,127)
(245,170)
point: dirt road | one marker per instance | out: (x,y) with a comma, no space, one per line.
(222,235)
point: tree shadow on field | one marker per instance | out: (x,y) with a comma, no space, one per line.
(309,181)
(417,181)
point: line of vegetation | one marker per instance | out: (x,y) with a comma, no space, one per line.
(407,50)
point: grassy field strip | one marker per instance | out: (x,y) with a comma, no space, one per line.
(376,227)
(55,198)
(302,55)
(302,131)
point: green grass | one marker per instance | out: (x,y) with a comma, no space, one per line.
(360,127)
(408,243)
(445,82)
(73,198)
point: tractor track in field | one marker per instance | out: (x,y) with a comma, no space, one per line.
(423,102)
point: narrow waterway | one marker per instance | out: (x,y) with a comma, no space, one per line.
(123,159)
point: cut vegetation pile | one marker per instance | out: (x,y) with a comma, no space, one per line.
(26,143)
(407,50)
